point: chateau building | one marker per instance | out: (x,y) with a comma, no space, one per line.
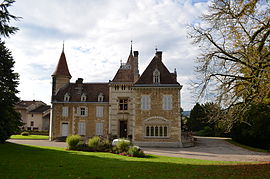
(144,108)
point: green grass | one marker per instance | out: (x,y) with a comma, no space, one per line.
(24,162)
(29,137)
(246,147)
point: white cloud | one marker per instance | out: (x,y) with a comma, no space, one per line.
(97,36)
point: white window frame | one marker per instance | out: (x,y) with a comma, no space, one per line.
(100,97)
(80,111)
(99,128)
(83,98)
(81,128)
(65,111)
(99,111)
(156,76)
(167,102)
(66,97)
(145,102)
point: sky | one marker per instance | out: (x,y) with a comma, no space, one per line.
(97,35)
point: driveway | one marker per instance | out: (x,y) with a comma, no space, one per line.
(207,148)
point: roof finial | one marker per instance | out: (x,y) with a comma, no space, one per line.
(156,49)
(131,47)
(63,46)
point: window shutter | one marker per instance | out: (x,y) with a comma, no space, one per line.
(86,111)
(169,102)
(148,102)
(78,111)
(99,128)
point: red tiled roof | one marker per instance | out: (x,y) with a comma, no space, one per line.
(62,67)
(165,76)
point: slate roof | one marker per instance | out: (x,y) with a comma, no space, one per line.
(62,67)
(165,76)
(24,104)
(125,74)
(41,109)
(91,90)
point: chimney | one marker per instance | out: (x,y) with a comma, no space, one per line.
(79,81)
(159,54)
(136,66)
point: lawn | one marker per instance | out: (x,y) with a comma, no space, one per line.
(24,162)
(29,137)
(246,147)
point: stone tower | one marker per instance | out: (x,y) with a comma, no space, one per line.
(61,75)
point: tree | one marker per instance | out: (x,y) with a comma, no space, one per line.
(196,119)
(5,29)
(9,118)
(234,65)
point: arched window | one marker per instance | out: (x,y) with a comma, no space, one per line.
(100,97)
(156,76)
(66,97)
(83,97)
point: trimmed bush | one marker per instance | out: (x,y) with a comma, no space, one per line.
(135,152)
(123,146)
(95,143)
(72,141)
(25,133)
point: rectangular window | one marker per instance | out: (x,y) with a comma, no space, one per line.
(99,111)
(167,102)
(82,111)
(145,102)
(32,123)
(99,128)
(65,111)
(156,131)
(123,104)
(81,128)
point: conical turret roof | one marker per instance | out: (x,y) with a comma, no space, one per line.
(62,67)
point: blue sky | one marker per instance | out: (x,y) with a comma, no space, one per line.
(97,36)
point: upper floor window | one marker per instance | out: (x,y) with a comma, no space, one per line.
(145,102)
(156,76)
(100,97)
(82,111)
(123,104)
(99,111)
(65,111)
(167,102)
(66,97)
(83,98)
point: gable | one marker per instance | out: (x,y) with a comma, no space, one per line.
(165,76)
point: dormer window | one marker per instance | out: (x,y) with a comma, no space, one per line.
(100,97)
(156,76)
(83,98)
(66,97)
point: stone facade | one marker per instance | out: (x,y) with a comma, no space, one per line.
(145,109)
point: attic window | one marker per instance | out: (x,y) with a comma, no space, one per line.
(100,97)
(66,97)
(156,76)
(83,98)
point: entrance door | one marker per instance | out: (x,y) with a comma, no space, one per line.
(123,129)
(64,129)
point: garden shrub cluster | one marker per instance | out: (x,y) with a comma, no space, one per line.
(73,141)
(98,144)
(25,133)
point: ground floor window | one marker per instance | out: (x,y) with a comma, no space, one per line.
(99,129)
(156,131)
(81,128)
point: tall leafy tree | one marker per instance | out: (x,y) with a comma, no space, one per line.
(235,60)
(196,120)
(9,118)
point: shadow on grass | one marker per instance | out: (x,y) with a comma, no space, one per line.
(20,161)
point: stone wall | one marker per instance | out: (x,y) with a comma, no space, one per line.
(156,116)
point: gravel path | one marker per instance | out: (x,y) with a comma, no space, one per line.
(207,148)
